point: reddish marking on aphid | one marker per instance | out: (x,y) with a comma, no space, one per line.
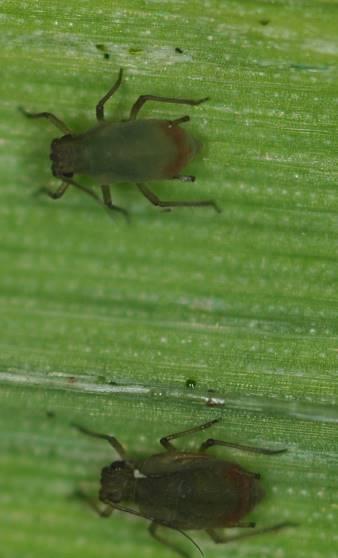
(242,482)
(183,150)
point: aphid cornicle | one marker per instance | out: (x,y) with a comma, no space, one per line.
(182,490)
(127,151)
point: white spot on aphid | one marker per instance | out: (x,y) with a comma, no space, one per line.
(138,474)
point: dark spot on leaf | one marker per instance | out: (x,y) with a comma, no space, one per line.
(190,383)
(103,49)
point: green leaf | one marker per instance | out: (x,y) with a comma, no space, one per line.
(180,317)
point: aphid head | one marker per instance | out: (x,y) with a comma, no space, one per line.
(117,481)
(62,156)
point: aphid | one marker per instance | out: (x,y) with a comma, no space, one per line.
(127,151)
(182,490)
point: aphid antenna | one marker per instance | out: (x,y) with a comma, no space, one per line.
(189,539)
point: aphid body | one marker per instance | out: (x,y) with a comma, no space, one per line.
(183,490)
(127,151)
(131,151)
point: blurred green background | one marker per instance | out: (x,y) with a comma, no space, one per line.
(179,317)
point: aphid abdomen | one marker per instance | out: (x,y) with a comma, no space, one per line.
(134,151)
(199,497)
(247,489)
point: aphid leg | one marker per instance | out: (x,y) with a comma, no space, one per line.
(223,539)
(211,442)
(179,120)
(49,116)
(108,202)
(91,194)
(153,527)
(101,103)
(166,440)
(86,191)
(54,195)
(144,98)
(111,439)
(103,512)
(156,201)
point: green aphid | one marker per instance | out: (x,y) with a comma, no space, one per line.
(183,490)
(127,151)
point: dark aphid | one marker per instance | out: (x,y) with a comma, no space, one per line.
(183,490)
(127,151)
